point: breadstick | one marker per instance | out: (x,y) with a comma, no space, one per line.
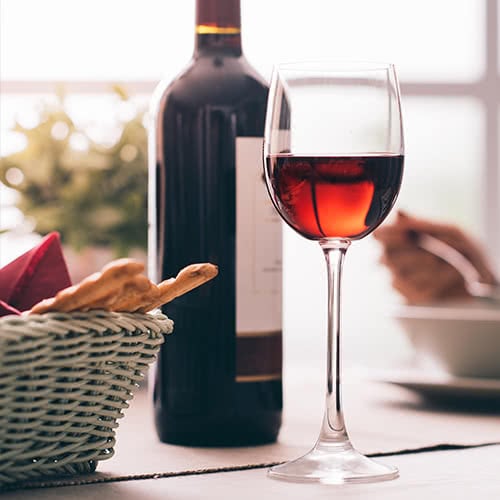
(104,302)
(135,295)
(153,304)
(188,278)
(95,287)
(115,301)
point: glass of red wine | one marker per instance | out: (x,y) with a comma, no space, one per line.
(334,154)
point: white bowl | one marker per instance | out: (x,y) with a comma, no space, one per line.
(463,339)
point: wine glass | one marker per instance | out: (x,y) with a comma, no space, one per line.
(333,154)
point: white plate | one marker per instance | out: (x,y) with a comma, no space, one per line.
(441,384)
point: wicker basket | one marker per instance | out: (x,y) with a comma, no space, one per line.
(65,379)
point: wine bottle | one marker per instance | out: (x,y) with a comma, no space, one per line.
(218,377)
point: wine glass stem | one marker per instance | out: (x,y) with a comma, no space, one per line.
(333,432)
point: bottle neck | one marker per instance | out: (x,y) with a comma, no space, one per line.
(218,28)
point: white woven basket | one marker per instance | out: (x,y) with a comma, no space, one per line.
(65,379)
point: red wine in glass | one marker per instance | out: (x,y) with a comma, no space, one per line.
(334,196)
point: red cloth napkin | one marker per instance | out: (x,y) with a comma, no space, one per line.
(37,274)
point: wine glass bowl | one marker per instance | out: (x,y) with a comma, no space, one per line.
(333,146)
(334,156)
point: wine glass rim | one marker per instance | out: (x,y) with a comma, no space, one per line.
(333,65)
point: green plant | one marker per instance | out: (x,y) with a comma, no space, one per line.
(95,196)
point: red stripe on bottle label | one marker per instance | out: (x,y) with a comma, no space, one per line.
(259,356)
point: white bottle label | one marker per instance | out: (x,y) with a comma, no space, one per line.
(258,245)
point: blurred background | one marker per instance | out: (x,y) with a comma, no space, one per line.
(76,78)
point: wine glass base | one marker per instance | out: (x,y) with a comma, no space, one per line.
(337,466)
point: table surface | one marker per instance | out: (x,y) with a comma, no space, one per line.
(382,419)
(445,475)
